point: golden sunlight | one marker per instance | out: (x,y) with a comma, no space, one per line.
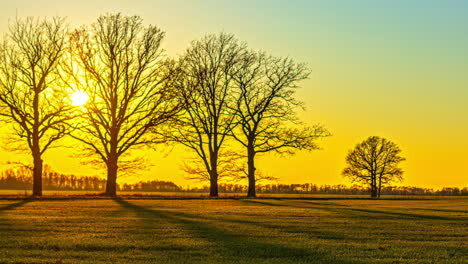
(79,98)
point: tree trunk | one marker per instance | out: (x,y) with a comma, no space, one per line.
(374,186)
(214,174)
(380,186)
(111,184)
(112,157)
(213,184)
(251,171)
(37,175)
(36,149)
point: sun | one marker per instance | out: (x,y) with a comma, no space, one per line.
(79,98)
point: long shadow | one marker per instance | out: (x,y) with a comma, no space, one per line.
(14,205)
(420,216)
(289,229)
(234,246)
(264,203)
(294,205)
(411,215)
(290,204)
(342,210)
(440,210)
(5,224)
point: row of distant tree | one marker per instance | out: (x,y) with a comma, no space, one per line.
(309,188)
(20,179)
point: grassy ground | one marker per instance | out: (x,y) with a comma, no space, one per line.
(150,195)
(234,231)
(26,193)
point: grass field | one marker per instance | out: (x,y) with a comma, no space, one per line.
(150,195)
(234,231)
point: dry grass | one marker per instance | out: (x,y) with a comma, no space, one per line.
(234,231)
(18,194)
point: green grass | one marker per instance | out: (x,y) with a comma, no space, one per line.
(234,231)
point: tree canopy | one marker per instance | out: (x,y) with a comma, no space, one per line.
(119,63)
(374,162)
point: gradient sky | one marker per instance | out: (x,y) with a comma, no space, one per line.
(397,69)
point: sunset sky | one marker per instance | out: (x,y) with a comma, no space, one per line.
(396,69)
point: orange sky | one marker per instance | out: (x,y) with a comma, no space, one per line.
(395,69)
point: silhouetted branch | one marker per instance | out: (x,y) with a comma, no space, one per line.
(32,98)
(374,162)
(119,63)
(266,109)
(206,91)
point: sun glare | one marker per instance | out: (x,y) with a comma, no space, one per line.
(79,98)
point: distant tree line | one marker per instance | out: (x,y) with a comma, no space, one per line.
(150,186)
(309,188)
(21,179)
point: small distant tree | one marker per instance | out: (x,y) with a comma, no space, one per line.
(374,162)
(266,107)
(32,98)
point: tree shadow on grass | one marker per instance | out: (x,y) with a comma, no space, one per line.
(284,228)
(343,210)
(411,215)
(440,210)
(292,203)
(6,224)
(392,213)
(264,203)
(13,206)
(298,204)
(230,246)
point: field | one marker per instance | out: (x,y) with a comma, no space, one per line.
(171,195)
(234,231)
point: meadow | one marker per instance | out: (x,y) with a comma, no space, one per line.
(234,231)
(65,194)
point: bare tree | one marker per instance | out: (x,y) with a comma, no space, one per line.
(31,96)
(206,90)
(119,63)
(374,162)
(266,109)
(229,167)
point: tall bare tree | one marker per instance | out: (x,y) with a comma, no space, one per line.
(31,96)
(374,162)
(266,109)
(206,90)
(119,63)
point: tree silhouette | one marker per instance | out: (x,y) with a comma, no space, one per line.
(374,162)
(229,166)
(206,92)
(119,63)
(265,109)
(32,98)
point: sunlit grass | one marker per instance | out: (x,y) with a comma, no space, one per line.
(142,194)
(234,231)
